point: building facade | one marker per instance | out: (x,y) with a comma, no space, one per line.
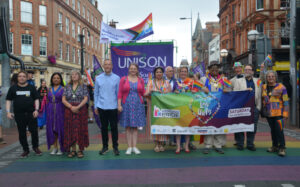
(214,49)
(268,17)
(44,34)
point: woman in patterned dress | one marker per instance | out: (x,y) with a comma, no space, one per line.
(75,98)
(131,106)
(158,84)
(55,115)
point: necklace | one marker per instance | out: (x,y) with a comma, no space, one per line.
(54,92)
(161,88)
(74,92)
(214,82)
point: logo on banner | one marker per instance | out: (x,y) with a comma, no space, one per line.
(165,113)
(239,112)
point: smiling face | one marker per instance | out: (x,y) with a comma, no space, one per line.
(75,76)
(107,66)
(183,73)
(271,78)
(248,71)
(22,78)
(214,70)
(133,70)
(43,83)
(56,80)
(238,70)
(158,74)
(169,72)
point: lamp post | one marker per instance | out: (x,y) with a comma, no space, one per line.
(252,37)
(81,37)
(224,54)
(191,18)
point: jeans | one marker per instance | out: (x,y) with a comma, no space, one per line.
(276,133)
(240,136)
(23,120)
(109,117)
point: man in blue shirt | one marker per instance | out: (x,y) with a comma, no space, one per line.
(30,78)
(106,104)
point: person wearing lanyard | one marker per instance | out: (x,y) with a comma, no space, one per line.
(55,115)
(248,82)
(74,98)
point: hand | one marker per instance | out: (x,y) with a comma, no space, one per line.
(249,89)
(262,67)
(205,90)
(35,114)
(176,91)
(193,91)
(74,109)
(120,108)
(10,115)
(96,111)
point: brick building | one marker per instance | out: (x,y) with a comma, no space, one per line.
(268,17)
(39,29)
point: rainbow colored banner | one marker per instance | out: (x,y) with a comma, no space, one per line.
(140,31)
(215,113)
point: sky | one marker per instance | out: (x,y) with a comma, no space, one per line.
(166,16)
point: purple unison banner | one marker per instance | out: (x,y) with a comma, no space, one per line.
(146,55)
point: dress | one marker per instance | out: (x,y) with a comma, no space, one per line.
(76,124)
(55,117)
(133,114)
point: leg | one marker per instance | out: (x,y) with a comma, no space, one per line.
(113,121)
(239,138)
(21,124)
(187,142)
(129,137)
(134,137)
(178,139)
(219,141)
(104,127)
(251,135)
(33,129)
(208,141)
(279,134)
(272,124)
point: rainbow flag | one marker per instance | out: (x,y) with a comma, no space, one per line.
(227,83)
(97,68)
(259,83)
(268,59)
(280,123)
(198,85)
(88,75)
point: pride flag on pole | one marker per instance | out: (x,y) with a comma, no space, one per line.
(88,75)
(97,68)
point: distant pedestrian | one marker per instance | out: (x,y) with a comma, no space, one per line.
(55,115)
(131,106)
(276,110)
(74,98)
(106,105)
(43,91)
(25,100)
(30,78)
(1,133)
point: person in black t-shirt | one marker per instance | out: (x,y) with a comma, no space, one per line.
(25,105)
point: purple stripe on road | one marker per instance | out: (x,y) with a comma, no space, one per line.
(154,176)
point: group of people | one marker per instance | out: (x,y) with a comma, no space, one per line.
(121,100)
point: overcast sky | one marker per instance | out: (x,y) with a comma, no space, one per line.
(166,22)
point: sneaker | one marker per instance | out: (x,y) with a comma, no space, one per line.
(128,151)
(252,148)
(206,150)
(59,152)
(103,151)
(53,152)
(272,150)
(219,150)
(239,147)
(37,151)
(136,151)
(24,154)
(116,152)
(281,152)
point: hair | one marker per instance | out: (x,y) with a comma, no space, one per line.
(168,67)
(14,79)
(137,67)
(22,71)
(157,68)
(250,65)
(80,78)
(184,67)
(30,71)
(271,71)
(61,79)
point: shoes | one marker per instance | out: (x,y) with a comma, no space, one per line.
(281,152)
(272,150)
(187,151)
(2,141)
(161,148)
(239,147)
(252,148)
(192,146)
(177,152)
(103,151)
(128,151)
(80,154)
(116,152)
(37,151)
(219,150)
(59,152)
(24,154)
(136,151)
(156,149)
(53,152)
(72,154)
(206,150)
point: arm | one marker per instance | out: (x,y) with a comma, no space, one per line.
(96,95)
(9,114)
(36,104)
(66,103)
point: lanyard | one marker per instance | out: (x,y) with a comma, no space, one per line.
(74,91)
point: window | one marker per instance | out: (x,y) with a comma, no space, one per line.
(73,54)
(83,11)
(92,19)
(78,7)
(233,13)
(26,12)
(68,2)
(78,32)
(73,30)
(43,46)
(43,15)
(73,4)
(88,40)
(67,52)
(67,26)
(11,42)
(260,27)
(60,49)
(26,48)
(248,7)
(285,40)
(233,39)
(259,4)
(88,15)
(285,4)
(78,54)
(60,21)
(227,24)
(11,10)
(92,41)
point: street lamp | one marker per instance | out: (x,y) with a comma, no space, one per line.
(191,18)
(81,37)
(252,37)
(224,54)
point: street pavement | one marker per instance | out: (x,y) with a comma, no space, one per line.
(234,168)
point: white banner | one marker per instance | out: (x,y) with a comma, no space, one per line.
(109,34)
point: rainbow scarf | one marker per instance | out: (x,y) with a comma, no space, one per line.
(197,85)
(259,83)
(280,123)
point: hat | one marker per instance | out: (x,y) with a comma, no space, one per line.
(237,64)
(214,63)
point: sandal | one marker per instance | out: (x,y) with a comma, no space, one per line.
(161,148)
(80,154)
(156,148)
(72,154)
